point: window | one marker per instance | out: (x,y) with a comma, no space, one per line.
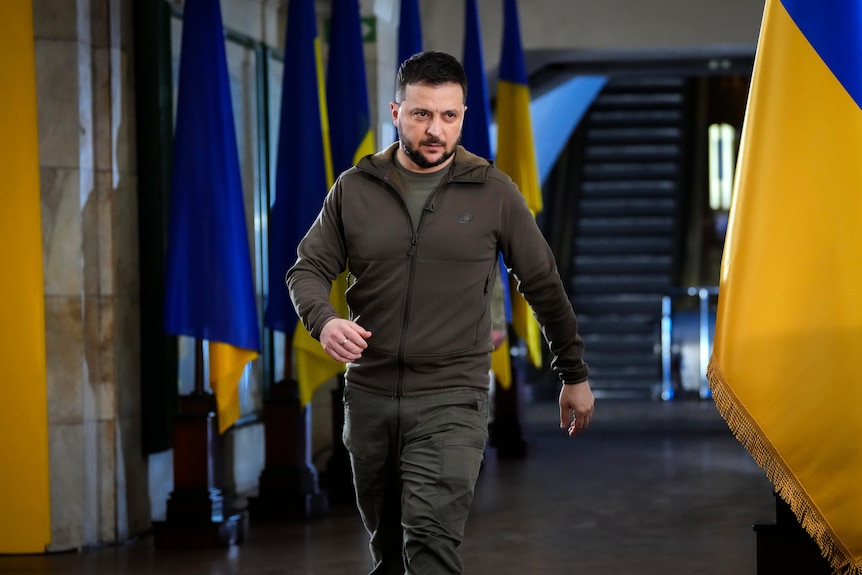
(722,153)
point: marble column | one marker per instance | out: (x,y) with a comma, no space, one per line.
(87,170)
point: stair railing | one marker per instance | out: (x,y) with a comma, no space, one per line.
(705,336)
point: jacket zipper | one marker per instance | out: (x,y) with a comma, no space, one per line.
(399,351)
(405,321)
(411,253)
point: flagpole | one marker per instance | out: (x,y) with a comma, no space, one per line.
(339,474)
(288,485)
(199,368)
(505,432)
(199,514)
(209,290)
(785,547)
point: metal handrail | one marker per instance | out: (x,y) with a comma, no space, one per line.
(703,293)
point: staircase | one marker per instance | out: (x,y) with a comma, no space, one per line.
(627,242)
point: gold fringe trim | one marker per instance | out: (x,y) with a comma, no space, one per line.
(751,436)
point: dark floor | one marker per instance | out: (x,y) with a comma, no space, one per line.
(651,488)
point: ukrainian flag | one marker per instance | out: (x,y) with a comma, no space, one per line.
(303,176)
(476,133)
(516,155)
(409,30)
(789,329)
(350,138)
(476,137)
(209,292)
(350,131)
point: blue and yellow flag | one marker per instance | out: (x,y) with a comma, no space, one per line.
(789,326)
(476,132)
(516,155)
(303,176)
(351,134)
(350,130)
(209,285)
(476,137)
(409,30)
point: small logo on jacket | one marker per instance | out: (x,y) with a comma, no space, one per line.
(465,218)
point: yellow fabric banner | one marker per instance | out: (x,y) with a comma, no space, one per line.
(789,324)
(313,365)
(501,365)
(25,524)
(227,365)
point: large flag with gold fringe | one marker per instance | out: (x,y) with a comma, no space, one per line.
(303,176)
(516,155)
(209,291)
(789,326)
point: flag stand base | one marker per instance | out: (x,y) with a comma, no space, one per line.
(504,432)
(288,487)
(198,513)
(203,534)
(785,547)
(339,475)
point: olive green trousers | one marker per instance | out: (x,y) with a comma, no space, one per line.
(415,463)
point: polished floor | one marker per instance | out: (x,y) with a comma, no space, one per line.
(652,488)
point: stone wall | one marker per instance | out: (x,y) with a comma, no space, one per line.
(86,146)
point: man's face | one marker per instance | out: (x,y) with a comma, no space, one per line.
(429,120)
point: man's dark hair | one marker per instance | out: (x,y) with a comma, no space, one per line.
(431,69)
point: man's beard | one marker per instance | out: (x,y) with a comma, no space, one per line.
(417,157)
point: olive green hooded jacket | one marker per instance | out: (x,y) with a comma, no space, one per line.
(426,296)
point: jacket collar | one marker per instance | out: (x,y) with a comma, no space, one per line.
(466,167)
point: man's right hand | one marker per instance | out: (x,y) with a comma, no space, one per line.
(343,340)
(576,407)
